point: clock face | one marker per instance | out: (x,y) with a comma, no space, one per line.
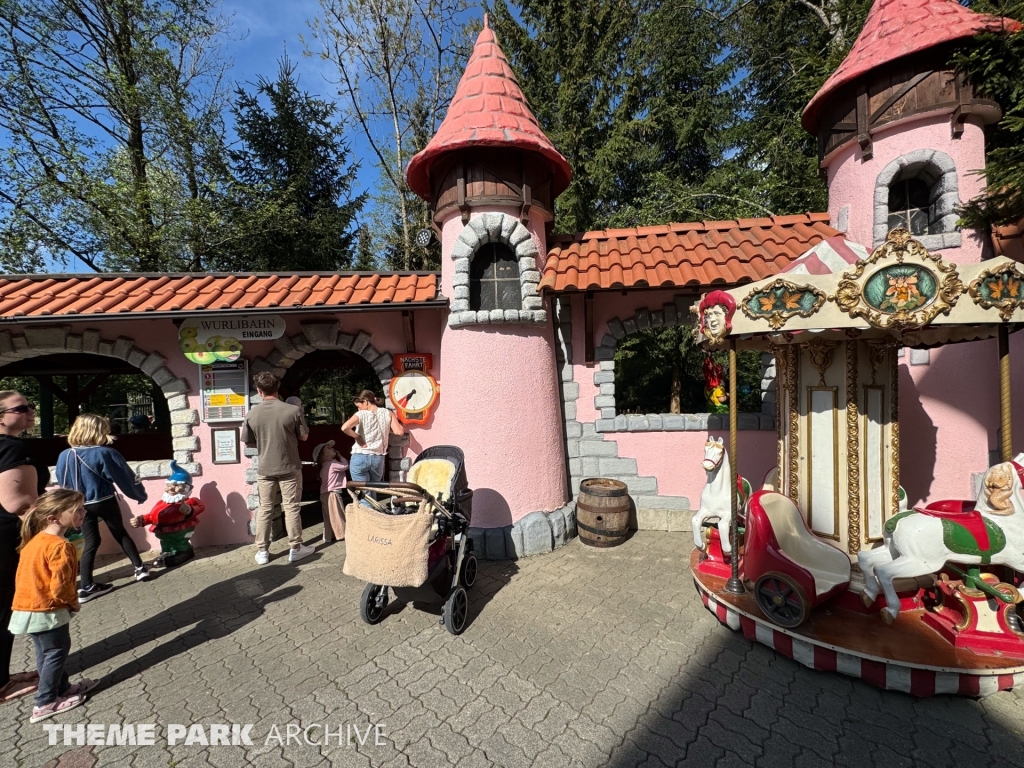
(413,391)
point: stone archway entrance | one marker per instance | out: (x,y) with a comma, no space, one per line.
(37,341)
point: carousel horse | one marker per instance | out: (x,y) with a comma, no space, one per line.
(921,541)
(715,499)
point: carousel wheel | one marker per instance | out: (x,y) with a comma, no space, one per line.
(781,600)
(456,611)
(469,568)
(373,603)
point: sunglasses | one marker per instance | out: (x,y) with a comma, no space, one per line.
(20,409)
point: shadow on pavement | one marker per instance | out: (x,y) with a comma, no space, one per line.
(217,611)
(738,703)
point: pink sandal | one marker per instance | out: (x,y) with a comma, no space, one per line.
(63,704)
(17,688)
(80,688)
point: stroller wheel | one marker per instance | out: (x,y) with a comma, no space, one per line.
(468,575)
(373,603)
(456,610)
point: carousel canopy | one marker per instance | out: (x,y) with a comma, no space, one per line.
(900,291)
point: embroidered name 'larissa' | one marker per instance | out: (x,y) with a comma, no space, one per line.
(379,540)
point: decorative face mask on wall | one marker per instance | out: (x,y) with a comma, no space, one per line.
(715,312)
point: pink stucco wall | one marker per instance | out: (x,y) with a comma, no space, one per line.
(851,180)
(949,417)
(674,458)
(500,403)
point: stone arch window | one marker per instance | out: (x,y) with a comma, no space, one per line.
(488,240)
(919,191)
(494,279)
(675,313)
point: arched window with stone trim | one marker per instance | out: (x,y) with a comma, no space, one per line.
(494,278)
(496,274)
(918,191)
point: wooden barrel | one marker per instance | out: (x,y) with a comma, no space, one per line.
(602,512)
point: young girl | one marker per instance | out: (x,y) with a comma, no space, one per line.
(332,480)
(45,597)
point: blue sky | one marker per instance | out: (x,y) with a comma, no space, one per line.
(264,30)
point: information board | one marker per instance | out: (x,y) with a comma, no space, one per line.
(225,391)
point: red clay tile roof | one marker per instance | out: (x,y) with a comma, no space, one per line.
(896,28)
(488,110)
(120,295)
(682,255)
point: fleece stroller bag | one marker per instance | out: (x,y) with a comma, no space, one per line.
(389,550)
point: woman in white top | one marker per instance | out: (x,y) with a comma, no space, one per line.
(371,427)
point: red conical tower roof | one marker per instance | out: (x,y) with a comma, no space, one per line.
(488,110)
(897,28)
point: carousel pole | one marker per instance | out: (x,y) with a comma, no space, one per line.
(734,585)
(1006,424)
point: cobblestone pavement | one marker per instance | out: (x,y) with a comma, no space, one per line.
(580,658)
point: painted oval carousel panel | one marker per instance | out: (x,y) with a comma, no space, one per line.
(900,288)
(779,301)
(1001,288)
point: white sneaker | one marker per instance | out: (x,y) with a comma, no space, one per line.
(294,555)
(262,557)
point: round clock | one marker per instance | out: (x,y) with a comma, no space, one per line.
(413,394)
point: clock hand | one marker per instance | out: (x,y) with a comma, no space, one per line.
(402,403)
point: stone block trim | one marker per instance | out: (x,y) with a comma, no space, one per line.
(54,339)
(535,534)
(939,170)
(673,314)
(496,228)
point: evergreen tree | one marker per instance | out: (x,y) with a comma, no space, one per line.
(291,205)
(631,93)
(994,64)
(785,50)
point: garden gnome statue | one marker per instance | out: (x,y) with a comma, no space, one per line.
(173,519)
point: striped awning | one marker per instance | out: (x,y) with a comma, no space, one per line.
(831,255)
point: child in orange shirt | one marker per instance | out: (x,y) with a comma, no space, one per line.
(45,596)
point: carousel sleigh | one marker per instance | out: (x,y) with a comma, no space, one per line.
(793,571)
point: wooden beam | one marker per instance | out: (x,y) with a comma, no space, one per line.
(409,328)
(588,329)
(863,128)
(93,385)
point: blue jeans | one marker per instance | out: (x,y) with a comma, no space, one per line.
(366,468)
(52,649)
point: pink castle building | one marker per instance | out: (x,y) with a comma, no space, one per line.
(521,324)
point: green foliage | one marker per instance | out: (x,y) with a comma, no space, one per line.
(291,206)
(110,117)
(119,398)
(653,364)
(994,64)
(785,51)
(631,93)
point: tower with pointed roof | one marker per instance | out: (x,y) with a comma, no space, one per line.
(491,177)
(900,134)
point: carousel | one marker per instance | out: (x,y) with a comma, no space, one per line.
(825,563)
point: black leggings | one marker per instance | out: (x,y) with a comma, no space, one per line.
(109,512)
(10,537)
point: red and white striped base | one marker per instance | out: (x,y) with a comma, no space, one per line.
(917,680)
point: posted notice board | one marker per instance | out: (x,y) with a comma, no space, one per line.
(225,391)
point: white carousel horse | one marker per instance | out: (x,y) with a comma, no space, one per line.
(915,543)
(715,499)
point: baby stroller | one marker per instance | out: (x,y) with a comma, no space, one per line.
(411,538)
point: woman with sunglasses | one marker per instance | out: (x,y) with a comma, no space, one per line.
(22,480)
